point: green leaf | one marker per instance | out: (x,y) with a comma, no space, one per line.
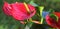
(32,3)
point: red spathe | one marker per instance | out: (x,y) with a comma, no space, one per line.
(18,10)
(53,23)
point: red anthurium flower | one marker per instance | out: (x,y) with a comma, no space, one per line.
(58,14)
(50,21)
(53,23)
(19,11)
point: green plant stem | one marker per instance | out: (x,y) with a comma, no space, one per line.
(30,19)
(28,24)
(41,10)
(41,20)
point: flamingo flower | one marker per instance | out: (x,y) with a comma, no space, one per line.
(51,20)
(19,11)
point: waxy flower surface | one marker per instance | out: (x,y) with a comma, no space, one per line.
(18,10)
(52,22)
(7,8)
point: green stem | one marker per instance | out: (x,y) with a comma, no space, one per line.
(41,20)
(28,24)
(30,19)
(41,10)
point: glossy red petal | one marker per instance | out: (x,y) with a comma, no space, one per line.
(57,14)
(19,11)
(6,8)
(51,22)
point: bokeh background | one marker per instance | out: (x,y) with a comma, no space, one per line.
(7,22)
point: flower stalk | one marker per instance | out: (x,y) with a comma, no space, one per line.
(41,10)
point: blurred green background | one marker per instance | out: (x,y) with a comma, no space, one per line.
(7,22)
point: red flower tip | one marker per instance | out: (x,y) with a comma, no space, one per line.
(6,8)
